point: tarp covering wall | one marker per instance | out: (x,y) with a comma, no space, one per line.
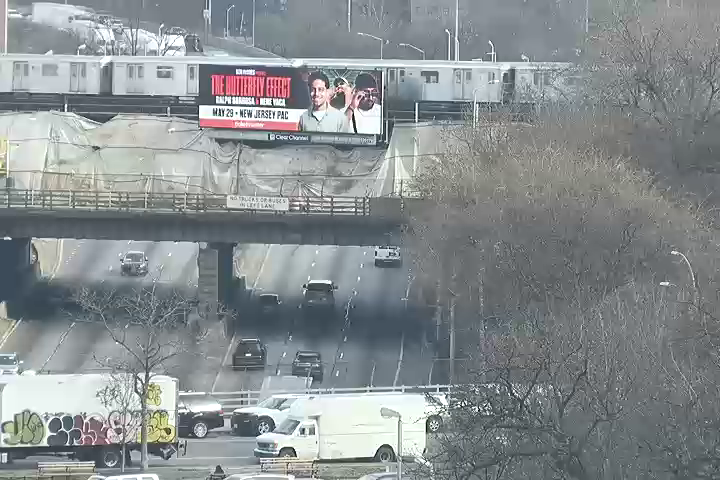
(157,154)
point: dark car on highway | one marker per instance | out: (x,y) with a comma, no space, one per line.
(308,364)
(269,305)
(249,353)
(198,414)
(134,263)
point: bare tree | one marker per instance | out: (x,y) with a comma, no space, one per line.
(120,397)
(552,250)
(151,329)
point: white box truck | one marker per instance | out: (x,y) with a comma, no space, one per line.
(344,427)
(66,415)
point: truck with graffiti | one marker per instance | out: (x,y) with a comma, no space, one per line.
(65,415)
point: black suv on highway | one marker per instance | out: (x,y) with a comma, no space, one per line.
(249,353)
(134,263)
(198,414)
(308,364)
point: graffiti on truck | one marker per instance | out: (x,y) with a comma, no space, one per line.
(56,429)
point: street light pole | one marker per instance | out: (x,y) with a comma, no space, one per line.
(227,20)
(493,55)
(449,48)
(693,279)
(409,45)
(390,413)
(587,16)
(381,40)
(457,30)
(253,20)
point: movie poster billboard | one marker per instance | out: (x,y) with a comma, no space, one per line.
(286,99)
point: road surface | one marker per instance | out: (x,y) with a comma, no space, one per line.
(370,343)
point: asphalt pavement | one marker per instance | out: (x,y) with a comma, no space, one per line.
(368,341)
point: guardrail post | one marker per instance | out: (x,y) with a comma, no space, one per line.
(185,200)
(97,200)
(147,195)
(332,205)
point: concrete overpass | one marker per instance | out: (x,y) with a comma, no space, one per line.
(217,222)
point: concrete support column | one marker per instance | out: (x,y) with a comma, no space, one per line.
(15,258)
(207,282)
(215,277)
(225,258)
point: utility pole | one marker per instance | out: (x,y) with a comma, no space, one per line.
(452,340)
(349,15)
(457,30)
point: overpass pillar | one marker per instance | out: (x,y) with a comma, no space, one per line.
(16,261)
(215,277)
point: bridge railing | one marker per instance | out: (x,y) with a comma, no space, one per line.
(173,202)
(249,398)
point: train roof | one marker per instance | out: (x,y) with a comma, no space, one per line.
(358,63)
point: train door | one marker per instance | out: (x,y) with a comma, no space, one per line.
(21,74)
(78,77)
(135,78)
(508,86)
(462,89)
(392,82)
(192,80)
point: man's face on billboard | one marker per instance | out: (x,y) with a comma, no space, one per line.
(318,93)
(368,98)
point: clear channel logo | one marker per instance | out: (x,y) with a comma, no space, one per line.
(288,137)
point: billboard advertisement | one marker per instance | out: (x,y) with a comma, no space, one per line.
(284,99)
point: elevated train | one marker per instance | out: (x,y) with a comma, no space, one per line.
(125,84)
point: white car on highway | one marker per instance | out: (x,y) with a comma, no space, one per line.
(387,255)
(263,417)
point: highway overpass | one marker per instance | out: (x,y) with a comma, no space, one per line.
(363,221)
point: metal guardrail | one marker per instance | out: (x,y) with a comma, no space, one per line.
(65,468)
(170,202)
(249,398)
(289,466)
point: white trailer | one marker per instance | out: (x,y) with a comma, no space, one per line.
(66,415)
(342,427)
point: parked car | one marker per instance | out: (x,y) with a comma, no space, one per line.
(10,364)
(198,414)
(249,353)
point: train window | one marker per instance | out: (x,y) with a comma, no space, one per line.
(140,71)
(402,75)
(433,11)
(83,70)
(391,75)
(537,78)
(131,71)
(468,75)
(164,72)
(547,78)
(491,77)
(49,70)
(458,76)
(446,11)
(191,71)
(429,77)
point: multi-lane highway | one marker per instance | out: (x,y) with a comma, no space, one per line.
(370,340)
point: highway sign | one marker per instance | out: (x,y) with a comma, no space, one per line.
(240,202)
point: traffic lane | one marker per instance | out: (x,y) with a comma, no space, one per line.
(379,321)
(39,339)
(321,332)
(252,261)
(171,269)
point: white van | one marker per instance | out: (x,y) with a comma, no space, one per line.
(334,427)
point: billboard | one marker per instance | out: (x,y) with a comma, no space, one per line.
(286,99)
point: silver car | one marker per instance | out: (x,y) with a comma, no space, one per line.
(10,364)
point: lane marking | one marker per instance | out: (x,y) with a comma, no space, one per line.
(65,334)
(234,336)
(317,251)
(400,359)
(372,374)
(312,265)
(341,355)
(358,279)
(432,366)
(362,265)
